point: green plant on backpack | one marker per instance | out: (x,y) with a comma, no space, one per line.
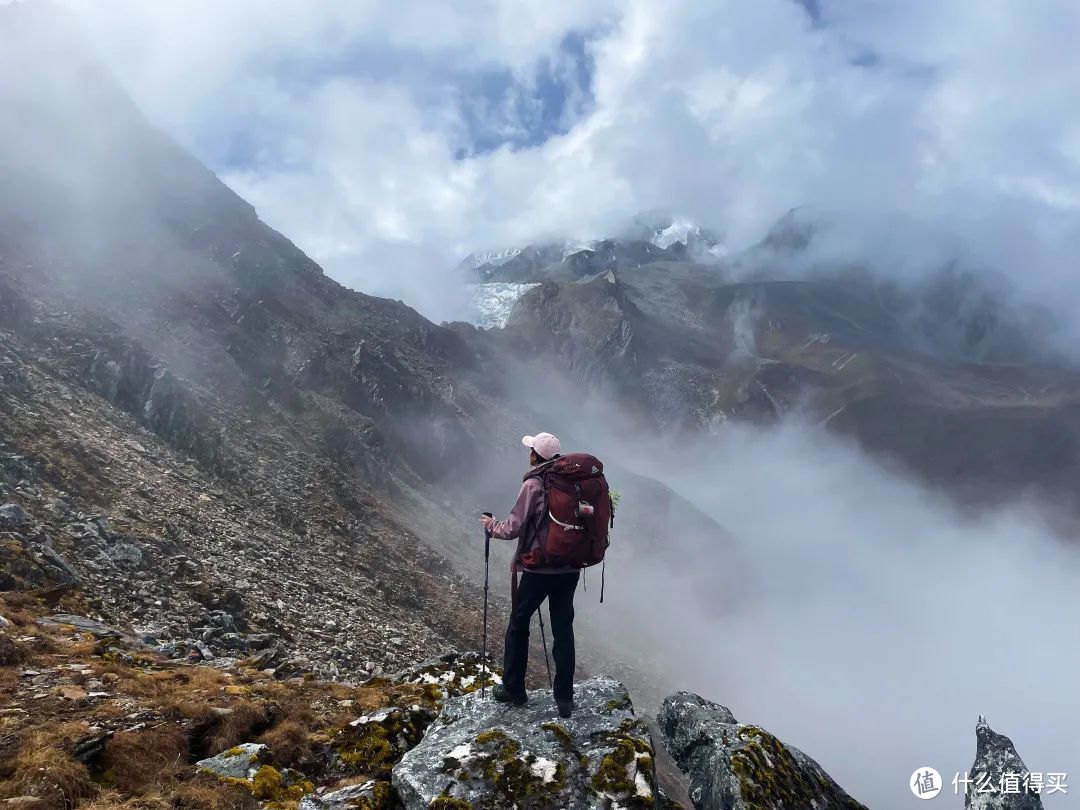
(615,497)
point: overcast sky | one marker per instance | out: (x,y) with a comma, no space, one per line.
(389,139)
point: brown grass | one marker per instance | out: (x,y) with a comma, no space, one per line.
(165,685)
(12,653)
(112,800)
(202,794)
(137,760)
(244,720)
(18,607)
(43,767)
(290,743)
(202,709)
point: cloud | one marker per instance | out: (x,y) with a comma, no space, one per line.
(873,623)
(389,139)
(849,609)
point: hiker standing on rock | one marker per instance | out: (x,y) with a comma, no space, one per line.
(560,521)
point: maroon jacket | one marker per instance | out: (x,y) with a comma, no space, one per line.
(526,518)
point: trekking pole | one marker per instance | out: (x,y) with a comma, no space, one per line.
(543,638)
(483,656)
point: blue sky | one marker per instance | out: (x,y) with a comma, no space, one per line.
(498,106)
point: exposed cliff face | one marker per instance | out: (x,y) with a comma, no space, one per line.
(127,249)
(733,766)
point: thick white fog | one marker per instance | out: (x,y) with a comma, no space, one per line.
(876,622)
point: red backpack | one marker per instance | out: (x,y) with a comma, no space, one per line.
(575,514)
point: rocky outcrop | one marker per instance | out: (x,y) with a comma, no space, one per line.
(372,795)
(251,766)
(734,766)
(999,778)
(480,753)
(132,380)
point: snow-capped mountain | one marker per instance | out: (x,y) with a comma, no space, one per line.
(499,277)
(649,238)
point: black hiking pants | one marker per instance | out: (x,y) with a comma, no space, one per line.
(533,589)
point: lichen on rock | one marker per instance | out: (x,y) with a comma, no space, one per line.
(251,767)
(742,767)
(482,754)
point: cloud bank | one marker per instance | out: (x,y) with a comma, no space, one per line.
(388,140)
(873,624)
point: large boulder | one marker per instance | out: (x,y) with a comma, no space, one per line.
(20,568)
(733,766)
(999,778)
(12,516)
(483,754)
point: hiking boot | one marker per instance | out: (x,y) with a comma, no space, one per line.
(503,695)
(565,707)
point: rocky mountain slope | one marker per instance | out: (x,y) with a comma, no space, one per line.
(190,406)
(944,378)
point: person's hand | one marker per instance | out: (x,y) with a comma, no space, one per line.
(486,521)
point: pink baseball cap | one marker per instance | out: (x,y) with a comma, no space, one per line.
(545,445)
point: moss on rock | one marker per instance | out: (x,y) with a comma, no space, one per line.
(769,775)
(565,738)
(373,744)
(446,802)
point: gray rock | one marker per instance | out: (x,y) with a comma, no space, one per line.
(733,766)
(124,554)
(14,469)
(370,794)
(998,767)
(495,756)
(274,655)
(241,762)
(50,554)
(83,624)
(244,762)
(12,516)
